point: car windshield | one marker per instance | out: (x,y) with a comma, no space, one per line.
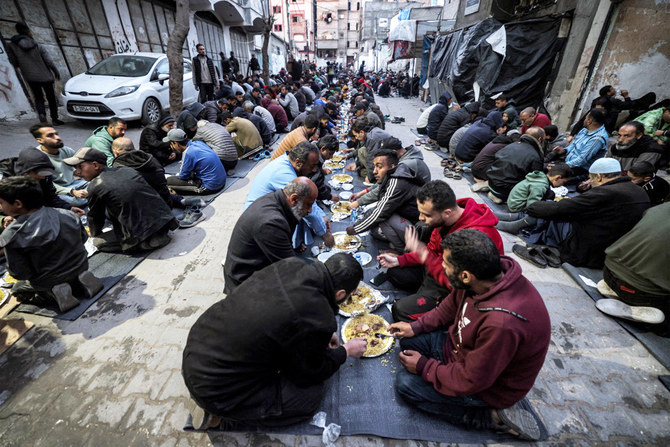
(123,65)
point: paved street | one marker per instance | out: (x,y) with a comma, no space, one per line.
(112,377)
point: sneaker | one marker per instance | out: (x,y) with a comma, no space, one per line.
(57,122)
(90,283)
(521,422)
(619,309)
(495,199)
(192,218)
(480,187)
(605,290)
(64,298)
(42,118)
(155,241)
(194,201)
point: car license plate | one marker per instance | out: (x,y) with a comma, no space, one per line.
(87,109)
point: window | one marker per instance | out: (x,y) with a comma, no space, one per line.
(356,44)
(358,6)
(276,9)
(187,67)
(295,19)
(278,28)
(356,26)
(348,26)
(349,6)
(348,44)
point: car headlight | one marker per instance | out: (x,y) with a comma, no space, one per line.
(122,91)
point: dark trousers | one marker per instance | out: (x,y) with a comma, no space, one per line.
(469,411)
(206,92)
(188,187)
(41,295)
(228,165)
(40,89)
(427,298)
(280,403)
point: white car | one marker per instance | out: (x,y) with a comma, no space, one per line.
(130,86)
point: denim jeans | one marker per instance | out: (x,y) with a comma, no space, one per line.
(469,411)
(79,183)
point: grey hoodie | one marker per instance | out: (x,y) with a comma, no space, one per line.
(46,247)
(33,60)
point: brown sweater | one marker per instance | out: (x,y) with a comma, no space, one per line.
(290,141)
(246,136)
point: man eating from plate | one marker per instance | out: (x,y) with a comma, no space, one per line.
(471,360)
(261,356)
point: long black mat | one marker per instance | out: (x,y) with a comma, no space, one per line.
(109,268)
(347,401)
(242,168)
(361,399)
(587,279)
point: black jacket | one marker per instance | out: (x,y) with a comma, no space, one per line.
(274,327)
(397,195)
(644,149)
(151,142)
(599,217)
(451,123)
(478,135)
(437,115)
(319,179)
(197,71)
(149,168)
(50,194)
(302,100)
(262,235)
(513,162)
(123,194)
(487,156)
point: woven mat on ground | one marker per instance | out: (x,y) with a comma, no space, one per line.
(242,168)
(587,279)
(11,331)
(109,268)
(361,398)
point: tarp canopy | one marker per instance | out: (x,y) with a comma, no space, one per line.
(515,59)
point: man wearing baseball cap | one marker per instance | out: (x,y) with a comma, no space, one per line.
(140,217)
(35,164)
(201,171)
(583,227)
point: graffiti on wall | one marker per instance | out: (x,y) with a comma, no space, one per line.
(13,102)
(120,25)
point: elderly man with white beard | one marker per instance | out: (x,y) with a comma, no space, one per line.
(262,235)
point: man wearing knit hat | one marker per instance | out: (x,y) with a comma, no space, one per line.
(583,227)
(151,141)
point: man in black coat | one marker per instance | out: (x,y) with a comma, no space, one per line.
(437,115)
(633,146)
(454,121)
(140,218)
(261,356)
(513,162)
(151,141)
(263,233)
(583,227)
(247,112)
(204,74)
(148,167)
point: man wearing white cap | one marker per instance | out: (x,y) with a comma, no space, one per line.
(583,227)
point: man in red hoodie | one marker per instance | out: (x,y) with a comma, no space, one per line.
(420,270)
(497,335)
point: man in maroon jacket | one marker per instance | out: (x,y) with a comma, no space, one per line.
(420,270)
(497,335)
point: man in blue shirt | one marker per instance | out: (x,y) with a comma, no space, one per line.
(589,144)
(302,160)
(201,172)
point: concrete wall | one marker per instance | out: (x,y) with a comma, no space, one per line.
(637,54)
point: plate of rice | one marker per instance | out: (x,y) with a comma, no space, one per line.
(366,326)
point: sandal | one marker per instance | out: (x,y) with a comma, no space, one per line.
(457,176)
(448,173)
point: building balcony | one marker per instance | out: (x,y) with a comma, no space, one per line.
(326,44)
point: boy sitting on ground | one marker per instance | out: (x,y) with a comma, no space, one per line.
(643,173)
(536,186)
(44,248)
